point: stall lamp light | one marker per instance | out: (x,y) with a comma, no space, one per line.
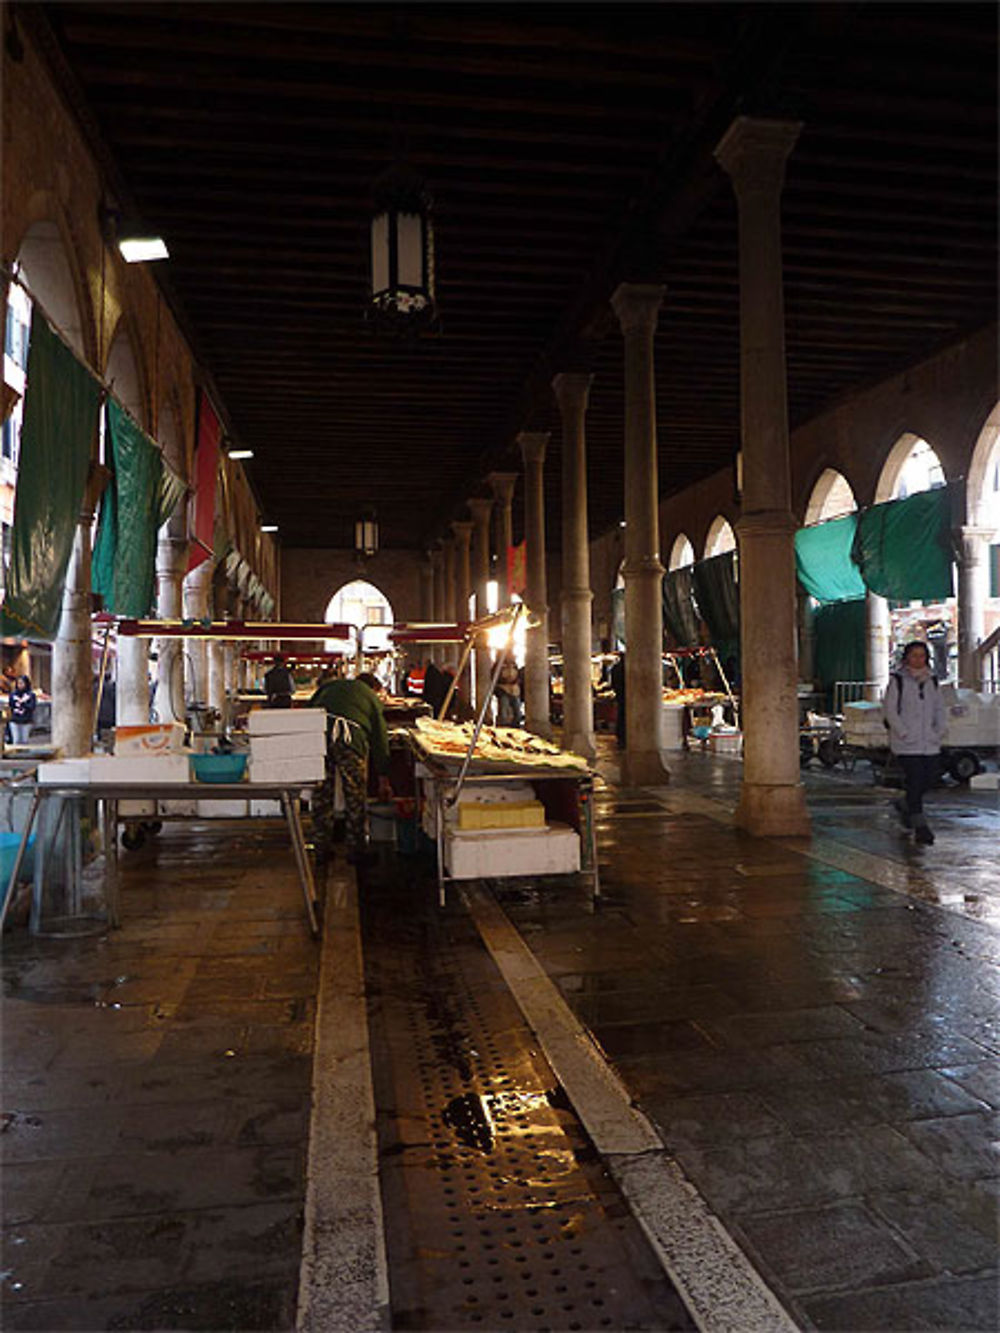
(493,595)
(269,527)
(142,249)
(240,453)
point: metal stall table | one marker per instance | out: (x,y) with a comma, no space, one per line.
(289,794)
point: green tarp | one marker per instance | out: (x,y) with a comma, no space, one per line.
(124,564)
(823,560)
(679,616)
(717,594)
(903,547)
(839,644)
(60,414)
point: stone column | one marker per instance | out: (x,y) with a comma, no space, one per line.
(462,528)
(480,510)
(132,690)
(806,621)
(437,566)
(878,628)
(426,587)
(772,802)
(536,648)
(572,391)
(197,603)
(72,667)
(973,588)
(450,599)
(171,561)
(637,306)
(502,485)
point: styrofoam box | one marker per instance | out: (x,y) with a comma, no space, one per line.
(554,850)
(64,770)
(289,745)
(266,809)
(222,809)
(280,721)
(149,768)
(129,809)
(985,782)
(164,738)
(310,768)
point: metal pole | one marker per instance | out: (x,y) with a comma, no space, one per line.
(494,677)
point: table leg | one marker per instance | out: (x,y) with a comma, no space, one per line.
(292,808)
(16,868)
(111,886)
(439,829)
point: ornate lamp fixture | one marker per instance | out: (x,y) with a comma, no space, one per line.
(402,251)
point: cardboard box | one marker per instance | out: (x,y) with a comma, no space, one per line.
(554,850)
(148,769)
(281,721)
(289,745)
(167,738)
(310,768)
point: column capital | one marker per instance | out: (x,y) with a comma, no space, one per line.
(480,507)
(572,389)
(533,444)
(637,305)
(753,152)
(503,484)
(462,528)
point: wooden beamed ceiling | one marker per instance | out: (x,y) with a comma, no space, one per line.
(568,148)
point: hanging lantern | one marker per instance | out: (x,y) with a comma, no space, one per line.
(402,250)
(366,535)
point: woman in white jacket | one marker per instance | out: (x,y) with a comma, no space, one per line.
(914,715)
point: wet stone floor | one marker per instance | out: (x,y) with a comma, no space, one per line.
(819,1051)
(156,1098)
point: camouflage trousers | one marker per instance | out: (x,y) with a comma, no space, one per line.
(353,770)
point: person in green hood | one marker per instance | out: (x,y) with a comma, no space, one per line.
(356,736)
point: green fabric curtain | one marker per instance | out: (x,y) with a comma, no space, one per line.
(717,594)
(823,560)
(679,616)
(60,414)
(124,564)
(903,547)
(839,644)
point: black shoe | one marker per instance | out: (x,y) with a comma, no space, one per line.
(924,836)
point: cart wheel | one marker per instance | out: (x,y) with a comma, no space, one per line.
(153,826)
(828,751)
(133,837)
(963,765)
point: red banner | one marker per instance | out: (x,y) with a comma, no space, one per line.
(517,569)
(206,470)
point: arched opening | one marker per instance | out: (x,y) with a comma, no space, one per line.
(721,537)
(983,515)
(123,377)
(43,266)
(912,467)
(681,553)
(362,605)
(831,498)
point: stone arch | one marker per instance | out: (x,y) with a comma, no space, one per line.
(985,457)
(358,602)
(681,553)
(831,497)
(124,371)
(720,538)
(47,261)
(899,456)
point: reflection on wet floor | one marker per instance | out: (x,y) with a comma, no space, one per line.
(815,1039)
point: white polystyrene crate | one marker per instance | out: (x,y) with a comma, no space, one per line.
(288,745)
(554,850)
(266,809)
(985,782)
(309,768)
(148,769)
(222,809)
(281,721)
(64,770)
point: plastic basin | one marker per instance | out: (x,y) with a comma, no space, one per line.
(9,843)
(218,767)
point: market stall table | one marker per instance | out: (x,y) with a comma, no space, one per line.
(289,794)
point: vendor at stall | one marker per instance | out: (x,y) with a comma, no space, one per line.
(356,733)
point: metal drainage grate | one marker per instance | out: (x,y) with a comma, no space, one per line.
(498,1211)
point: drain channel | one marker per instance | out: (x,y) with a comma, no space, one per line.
(498,1211)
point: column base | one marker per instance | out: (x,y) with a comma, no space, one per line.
(539,727)
(578,742)
(777,811)
(643,768)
